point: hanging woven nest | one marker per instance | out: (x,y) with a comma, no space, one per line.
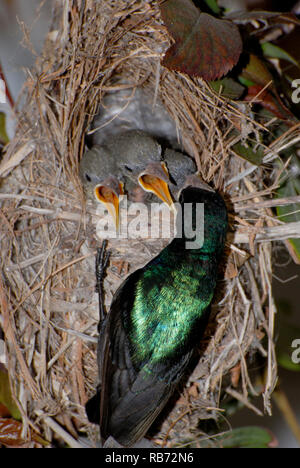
(48,302)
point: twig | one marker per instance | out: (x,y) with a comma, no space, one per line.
(8,165)
(269,203)
(266,274)
(173,424)
(69,440)
(243,400)
(10,336)
(284,231)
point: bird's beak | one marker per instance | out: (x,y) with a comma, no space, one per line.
(155,179)
(195,180)
(108,193)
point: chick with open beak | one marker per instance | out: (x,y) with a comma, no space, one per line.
(155,179)
(107,169)
(138,157)
(132,162)
(99,176)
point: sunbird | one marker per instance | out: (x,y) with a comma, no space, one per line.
(156,319)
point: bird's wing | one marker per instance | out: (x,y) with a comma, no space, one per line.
(116,371)
(130,398)
(138,408)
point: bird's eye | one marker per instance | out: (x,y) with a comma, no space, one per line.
(128,168)
(87,177)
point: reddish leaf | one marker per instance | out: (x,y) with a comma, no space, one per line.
(10,434)
(269,102)
(4,412)
(204,46)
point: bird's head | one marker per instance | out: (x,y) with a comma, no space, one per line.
(203,214)
(139,160)
(101,183)
(193,180)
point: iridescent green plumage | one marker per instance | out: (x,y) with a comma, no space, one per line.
(156,318)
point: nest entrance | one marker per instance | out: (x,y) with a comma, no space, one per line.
(48,301)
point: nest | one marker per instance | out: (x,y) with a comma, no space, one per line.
(48,302)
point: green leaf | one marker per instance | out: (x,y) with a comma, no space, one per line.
(257,72)
(291,213)
(247,437)
(252,152)
(273,51)
(212,4)
(228,88)
(5,395)
(3,135)
(245,82)
(285,361)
